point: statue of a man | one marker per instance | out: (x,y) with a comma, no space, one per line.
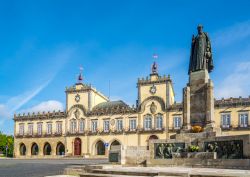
(201,53)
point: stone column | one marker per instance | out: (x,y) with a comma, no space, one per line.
(210,104)
(186,108)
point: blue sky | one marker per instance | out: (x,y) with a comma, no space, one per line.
(43,43)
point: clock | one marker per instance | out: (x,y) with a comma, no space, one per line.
(77,98)
(152,89)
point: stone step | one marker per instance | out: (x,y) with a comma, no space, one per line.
(110,175)
(128,173)
(106,175)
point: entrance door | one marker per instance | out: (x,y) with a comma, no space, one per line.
(77,146)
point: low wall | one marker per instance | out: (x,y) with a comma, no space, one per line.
(134,155)
(204,163)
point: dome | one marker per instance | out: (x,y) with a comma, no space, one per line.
(110,105)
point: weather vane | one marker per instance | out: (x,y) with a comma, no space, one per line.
(154,66)
(80,78)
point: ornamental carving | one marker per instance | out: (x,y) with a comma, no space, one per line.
(166,150)
(232,149)
(112,122)
(77,114)
(152,98)
(153,108)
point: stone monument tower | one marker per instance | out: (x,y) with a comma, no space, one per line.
(198,95)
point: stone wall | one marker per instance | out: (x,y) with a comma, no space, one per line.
(134,155)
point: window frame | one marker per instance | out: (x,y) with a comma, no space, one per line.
(225,118)
(177,124)
(49,128)
(106,125)
(39,128)
(73,126)
(148,122)
(21,129)
(59,127)
(119,124)
(81,125)
(159,121)
(30,129)
(94,125)
(132,121)
(245,121)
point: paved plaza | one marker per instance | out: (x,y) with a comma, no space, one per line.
(40,168)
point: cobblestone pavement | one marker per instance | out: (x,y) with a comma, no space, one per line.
(40,167)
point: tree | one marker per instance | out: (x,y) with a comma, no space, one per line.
(6,140)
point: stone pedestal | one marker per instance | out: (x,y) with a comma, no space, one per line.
(198,101)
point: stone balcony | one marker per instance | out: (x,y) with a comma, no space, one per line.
(35,135)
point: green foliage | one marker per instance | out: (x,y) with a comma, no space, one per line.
(193,148)
(9,141)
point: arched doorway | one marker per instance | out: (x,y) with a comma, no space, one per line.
(152,137)
(34,149)
(115,145)
(100,148)
(22,149)
(60,149)
(77,146)
(47,149)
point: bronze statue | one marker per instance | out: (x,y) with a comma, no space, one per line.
(201,53)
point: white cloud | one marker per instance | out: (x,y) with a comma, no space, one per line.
(49,105)
(237,83)
(60,57)
(13,104)
(231,34)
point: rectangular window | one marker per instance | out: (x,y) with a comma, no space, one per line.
(59,127)
(39,128)
(119,125)
(94,125)
(177,122)
(226,120)
(21,129)
(49,128)
(73,126)
(30,129)
(159,121)
(106,125)
(148,122)
(81,126)
(243,122)
(132,124)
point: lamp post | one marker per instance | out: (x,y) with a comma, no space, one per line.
(6,148)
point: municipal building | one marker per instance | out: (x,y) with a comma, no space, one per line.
(91,125)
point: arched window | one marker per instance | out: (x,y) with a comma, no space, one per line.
(47,149)
(100,148)
(148,122)
(22,149)
(73,126)
(60,149)
(34,149)
(159,120)
(81,125)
